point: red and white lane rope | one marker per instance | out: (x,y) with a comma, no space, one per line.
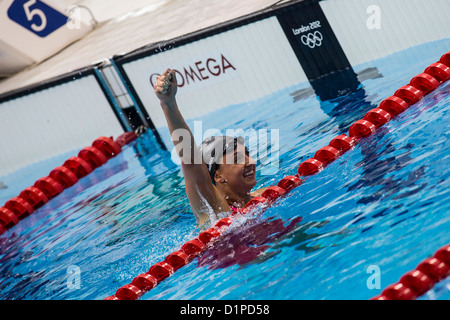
(412,285)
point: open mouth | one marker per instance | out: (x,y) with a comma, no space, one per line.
(249,173)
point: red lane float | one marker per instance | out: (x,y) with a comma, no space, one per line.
(439,71)
(207,236)
(256,201)
(290,182)
(225,222)
(378,117)
(417,282)
(35,197)
(309,167)
(145,282)
(65,176)
(342,143)
(434,268)
(409,94)
(443,254)
(412,284)
(361,128)
(7,218)
(179,259)
(398,291)
(128,292)
(161,271)
(19,207)
(93,156)
(445,59)
(394,105)
(327,155)
(273,193)
(194,247)
(78,166)
(108,146)
(126,138)
(49,186)
(425,83)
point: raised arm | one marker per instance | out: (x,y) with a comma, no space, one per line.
(203,196)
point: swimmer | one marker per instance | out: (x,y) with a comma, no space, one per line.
(222,178)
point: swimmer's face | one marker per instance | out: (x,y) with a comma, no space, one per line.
(238,169)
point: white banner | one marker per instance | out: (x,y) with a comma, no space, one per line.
(232,67)
(372,29)
(54,121)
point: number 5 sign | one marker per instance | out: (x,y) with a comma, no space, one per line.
(36,16)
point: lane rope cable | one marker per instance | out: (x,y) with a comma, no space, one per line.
(412,285)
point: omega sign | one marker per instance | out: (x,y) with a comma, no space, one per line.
(200,71)
(313,38)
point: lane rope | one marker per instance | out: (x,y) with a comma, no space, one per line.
(60,178)
(411,285)
(417,282)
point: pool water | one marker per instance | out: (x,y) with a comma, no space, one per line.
(384,203)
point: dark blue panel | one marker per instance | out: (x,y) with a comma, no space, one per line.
(318,50)
(36,16)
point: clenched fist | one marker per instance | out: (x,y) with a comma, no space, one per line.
(166,86)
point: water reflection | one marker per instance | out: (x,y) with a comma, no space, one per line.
(380,160)
(22,284)
(250,242)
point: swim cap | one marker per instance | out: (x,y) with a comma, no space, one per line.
(214,148)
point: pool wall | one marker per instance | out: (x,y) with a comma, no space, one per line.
(318,43)
(54,118)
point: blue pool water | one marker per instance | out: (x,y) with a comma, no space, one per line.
(384,203)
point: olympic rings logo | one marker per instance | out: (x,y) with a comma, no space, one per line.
(312,39)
